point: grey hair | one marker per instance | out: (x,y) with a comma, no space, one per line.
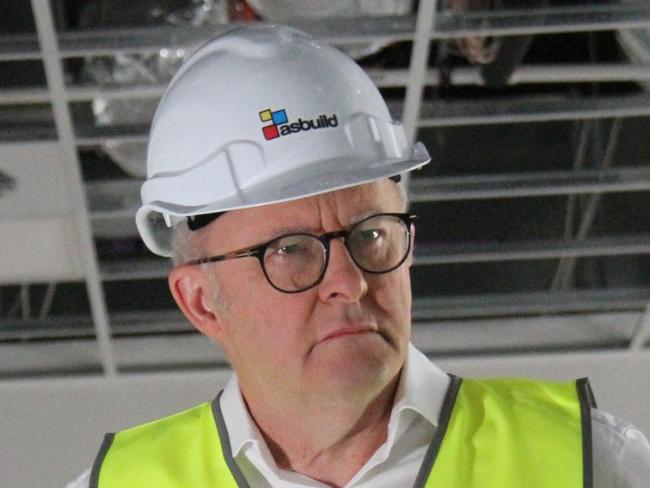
(186,244)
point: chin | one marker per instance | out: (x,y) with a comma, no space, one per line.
(355,363)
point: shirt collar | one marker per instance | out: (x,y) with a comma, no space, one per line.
(242,430)
(422,389)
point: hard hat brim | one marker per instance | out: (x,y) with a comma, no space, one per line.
(325,176)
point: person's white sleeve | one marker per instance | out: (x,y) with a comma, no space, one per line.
(82,482)
(621,453)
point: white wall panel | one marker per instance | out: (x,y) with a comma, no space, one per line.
(39,250)
(51,429)
(37,234)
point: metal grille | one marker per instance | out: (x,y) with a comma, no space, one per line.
(532,232)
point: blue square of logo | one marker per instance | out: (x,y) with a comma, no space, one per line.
(279,117)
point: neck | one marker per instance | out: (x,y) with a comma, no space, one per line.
(327,440)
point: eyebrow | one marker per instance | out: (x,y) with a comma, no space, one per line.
(362,215)
(358,217)
(303,229)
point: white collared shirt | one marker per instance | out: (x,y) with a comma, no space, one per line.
(621,452)
(413,421)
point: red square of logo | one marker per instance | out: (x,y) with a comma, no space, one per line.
(270,132)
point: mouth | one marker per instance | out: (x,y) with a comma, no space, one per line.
(349,330)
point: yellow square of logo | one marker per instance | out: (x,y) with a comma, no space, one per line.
(265,115)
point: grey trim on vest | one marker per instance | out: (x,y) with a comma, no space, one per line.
(443,424)
(587,401)
(583,384)
(99,460)
(224,439)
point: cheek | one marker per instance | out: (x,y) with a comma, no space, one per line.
(393,290)
(267,324)
(391,297)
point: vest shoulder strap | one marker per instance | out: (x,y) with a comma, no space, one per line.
(511,432)
(185,449)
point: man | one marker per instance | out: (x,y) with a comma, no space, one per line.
(271,164)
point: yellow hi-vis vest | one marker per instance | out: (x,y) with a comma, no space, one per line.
(505,433)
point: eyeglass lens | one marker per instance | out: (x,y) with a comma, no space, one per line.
(296,262)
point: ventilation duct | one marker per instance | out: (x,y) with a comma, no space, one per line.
(284,11)
(159,67)
(498,56)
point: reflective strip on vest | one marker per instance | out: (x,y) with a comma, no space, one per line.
(506,433)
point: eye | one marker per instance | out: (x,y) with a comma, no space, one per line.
(370,235)
(291,249)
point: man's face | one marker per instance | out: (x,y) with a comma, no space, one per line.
(298,344)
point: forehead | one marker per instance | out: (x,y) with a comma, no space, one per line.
(320,213)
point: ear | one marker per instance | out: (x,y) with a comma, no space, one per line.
(191,291)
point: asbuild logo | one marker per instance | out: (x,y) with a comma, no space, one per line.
(280,125)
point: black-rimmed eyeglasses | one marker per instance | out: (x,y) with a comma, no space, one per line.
(296,262)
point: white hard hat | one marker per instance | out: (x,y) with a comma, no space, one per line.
(264,114)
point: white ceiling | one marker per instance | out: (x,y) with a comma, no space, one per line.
(533,229)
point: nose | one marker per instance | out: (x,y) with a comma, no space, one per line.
(343,280)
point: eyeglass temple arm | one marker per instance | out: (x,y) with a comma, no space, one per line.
(224,257)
